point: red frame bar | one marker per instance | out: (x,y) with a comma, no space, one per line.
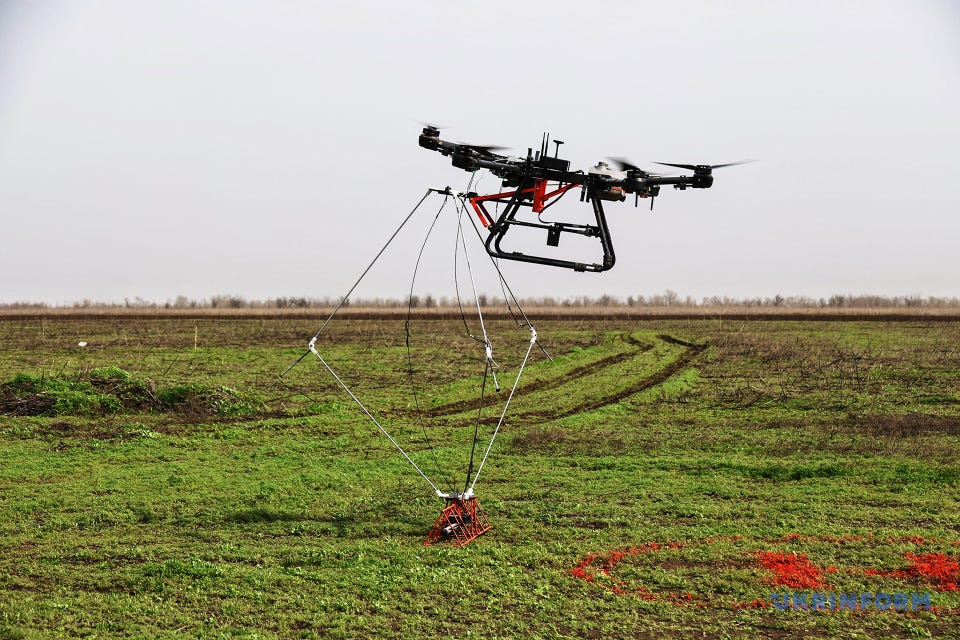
(540,199)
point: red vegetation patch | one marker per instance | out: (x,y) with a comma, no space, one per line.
(937,568)
(792,569)
(594,565)
(756,603)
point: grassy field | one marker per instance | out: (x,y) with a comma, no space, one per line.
(660,478)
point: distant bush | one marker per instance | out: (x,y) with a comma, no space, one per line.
(668,298)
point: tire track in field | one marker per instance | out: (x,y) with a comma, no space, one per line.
(550,383)
(691,352)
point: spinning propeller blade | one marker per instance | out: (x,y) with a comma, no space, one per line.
(432,125)
(625,165)
(706,168)
(483,149)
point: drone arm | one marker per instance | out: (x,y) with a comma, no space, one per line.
(696,181)
(469,162)
(465,156)
(443,147)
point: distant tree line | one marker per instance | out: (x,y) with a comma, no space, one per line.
(668,298)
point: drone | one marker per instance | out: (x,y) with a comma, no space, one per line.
(538,181)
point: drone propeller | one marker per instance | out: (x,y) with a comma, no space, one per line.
(430,129)
(626,165)
(703,168)
(482,149)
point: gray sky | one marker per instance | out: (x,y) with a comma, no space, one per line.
(269,148)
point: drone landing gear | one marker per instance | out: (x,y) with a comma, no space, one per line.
(537,198)
(460,522)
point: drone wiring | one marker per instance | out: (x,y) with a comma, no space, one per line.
(547,206)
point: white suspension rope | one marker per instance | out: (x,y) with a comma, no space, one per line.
(487,346)
(344,299)
(312,345)
(372,262)
(313,349)
(503,414)
(413,386)
(506,284)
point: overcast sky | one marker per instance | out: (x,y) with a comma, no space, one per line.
(263,149)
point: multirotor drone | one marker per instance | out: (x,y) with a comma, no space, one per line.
(539,181)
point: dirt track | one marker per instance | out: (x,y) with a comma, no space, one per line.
(661,376)
(689,354)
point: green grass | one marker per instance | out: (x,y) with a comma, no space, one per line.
(110,390)
(244,505)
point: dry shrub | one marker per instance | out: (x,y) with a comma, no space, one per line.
(538,439)
(907,425)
